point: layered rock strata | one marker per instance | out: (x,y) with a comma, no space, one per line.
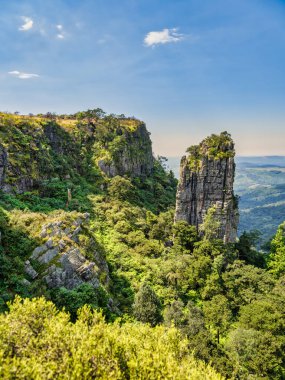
(206,180)
(60,262)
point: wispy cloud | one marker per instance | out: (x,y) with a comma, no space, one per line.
(162,37)
(22,75)
(44,28)
(60,32)
(28,24)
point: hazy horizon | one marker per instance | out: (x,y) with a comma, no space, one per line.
(239,156)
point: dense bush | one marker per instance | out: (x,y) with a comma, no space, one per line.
(39,342)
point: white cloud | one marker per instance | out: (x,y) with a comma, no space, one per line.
(22,75)
(28,24)
(61,34)
(162,37)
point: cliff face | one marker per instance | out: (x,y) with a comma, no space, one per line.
(33,150)
(206,180)
(132,156)
(3,164)
(36,149)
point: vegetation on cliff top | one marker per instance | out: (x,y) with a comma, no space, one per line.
(213,147)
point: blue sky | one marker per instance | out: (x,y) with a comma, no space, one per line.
(186,67)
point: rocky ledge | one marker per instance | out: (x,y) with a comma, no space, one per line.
(60,260)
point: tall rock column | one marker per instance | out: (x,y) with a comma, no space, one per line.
(206,180)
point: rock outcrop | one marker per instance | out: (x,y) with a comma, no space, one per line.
(3,165)
(206,180)
(62,260)
(133,155)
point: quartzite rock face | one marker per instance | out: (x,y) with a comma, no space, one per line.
(133,157)
(62,261)
(206,180)
(3,164)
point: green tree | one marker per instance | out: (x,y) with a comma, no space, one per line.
(276,261)
(147,306)
(161,228)
(255,354)
(244,283)
(73,300)
(174,314)
(218,314)
(190,321)
(264,314)
(246,247)
(211,224)
(185,235)
(122,189)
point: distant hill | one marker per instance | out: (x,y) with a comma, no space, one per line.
(260,183)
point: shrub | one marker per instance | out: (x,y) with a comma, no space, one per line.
(39,342)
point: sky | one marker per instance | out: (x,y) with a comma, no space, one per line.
(188,68)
